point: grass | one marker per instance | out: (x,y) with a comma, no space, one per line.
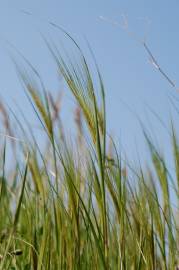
(74,205)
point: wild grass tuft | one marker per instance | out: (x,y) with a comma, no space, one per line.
(74,205)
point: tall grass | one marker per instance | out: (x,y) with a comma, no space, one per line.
(73,205)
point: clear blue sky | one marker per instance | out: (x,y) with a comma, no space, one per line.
(128,75)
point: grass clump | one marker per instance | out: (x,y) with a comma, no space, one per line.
(74,205)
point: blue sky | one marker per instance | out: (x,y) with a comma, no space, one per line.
(134,87)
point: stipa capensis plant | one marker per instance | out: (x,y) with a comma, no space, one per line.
(77,204)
